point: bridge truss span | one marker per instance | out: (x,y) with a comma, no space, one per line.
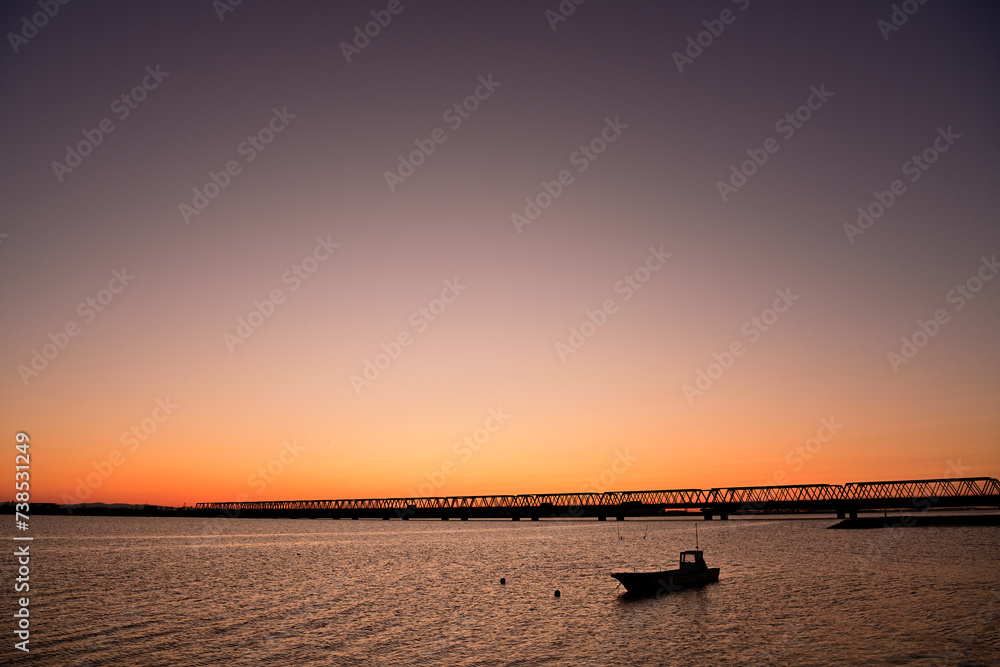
(847,498)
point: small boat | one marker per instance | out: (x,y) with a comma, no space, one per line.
(692,572)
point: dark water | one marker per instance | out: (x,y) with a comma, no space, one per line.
(131,591)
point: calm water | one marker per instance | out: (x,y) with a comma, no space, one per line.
(131,591)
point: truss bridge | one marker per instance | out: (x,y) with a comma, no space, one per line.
(845,499)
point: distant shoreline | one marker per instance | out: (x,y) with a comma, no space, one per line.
(973,517)
(104,509)
(910,521)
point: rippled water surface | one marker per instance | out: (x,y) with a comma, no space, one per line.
(169,591)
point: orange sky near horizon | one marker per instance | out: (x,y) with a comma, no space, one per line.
(734,437)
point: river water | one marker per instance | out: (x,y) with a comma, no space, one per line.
(173,591)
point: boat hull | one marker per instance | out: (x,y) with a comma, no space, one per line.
(667,581)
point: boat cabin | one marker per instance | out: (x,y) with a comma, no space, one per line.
(692,561)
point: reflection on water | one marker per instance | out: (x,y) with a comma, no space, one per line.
(123,591)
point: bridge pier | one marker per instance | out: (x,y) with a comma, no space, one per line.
(619,518)
(534,518)
(854,514)
(515,518)
(724,516)
(465,518)
(841,514)
(444,518)
(602,518)
(707,515)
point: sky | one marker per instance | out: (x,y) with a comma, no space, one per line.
(310,250)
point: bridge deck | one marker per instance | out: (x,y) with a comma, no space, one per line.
(908,494)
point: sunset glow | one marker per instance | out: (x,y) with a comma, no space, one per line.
(488,254)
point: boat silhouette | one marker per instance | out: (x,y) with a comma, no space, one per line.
(691,571)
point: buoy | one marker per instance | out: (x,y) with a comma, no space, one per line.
(557,593)
(503,582)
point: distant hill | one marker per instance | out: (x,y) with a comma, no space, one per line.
(106,509)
